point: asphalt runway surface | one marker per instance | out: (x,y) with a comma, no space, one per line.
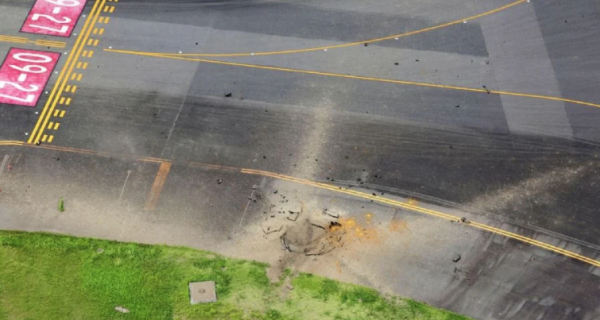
(486,110)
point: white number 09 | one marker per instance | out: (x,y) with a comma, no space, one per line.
(65,3)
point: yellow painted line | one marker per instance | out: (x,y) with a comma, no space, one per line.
(56,112)
(68,102)
(79,76)
(62,114)
(161,177)
(74,89)
(13,39)
(91,53)
(79,64)
(11,143)
(85,52)
(44,138)
(101,20)
(50,125)
(401,35)
(50,139)
(101,31)
(68,89)
(66,71)
(111,10)
(56,125)
(95,31)
(438,214)
(44,43)
(347,76)
(90,42)
(106,20)
(73,76)
(96,42)
(158,185)
(62,100)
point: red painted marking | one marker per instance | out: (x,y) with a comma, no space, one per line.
(53,17)
(24,74)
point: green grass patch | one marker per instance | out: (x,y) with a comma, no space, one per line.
(47,276)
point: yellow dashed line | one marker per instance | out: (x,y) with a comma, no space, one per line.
(111,10)
(50,125)
(56,125)
(95,31)
(74,88)
(90,42)
(44,138)
(50,139)
(68,102)
(79,76)
(62,100)
(91,53)
(96,42)
(62,114)
(68,89)
(101,31)
(56,112)
(67,73)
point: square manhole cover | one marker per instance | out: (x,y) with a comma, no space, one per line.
(202,292)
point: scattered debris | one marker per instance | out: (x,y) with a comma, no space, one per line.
(272,230)
(332,214)
(487,90)
(456,257)
(458,105)
(121,309)
(219,181)
(228,95)
(366,44)
(464,220)
(396,63)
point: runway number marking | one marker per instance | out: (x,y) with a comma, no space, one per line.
(24,74)
(53,17)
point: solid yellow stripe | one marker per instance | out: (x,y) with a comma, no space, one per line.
(429,212)
(59,86)
(347,76)
(358,42)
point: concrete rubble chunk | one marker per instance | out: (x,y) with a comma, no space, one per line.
(456,257)
(202,292)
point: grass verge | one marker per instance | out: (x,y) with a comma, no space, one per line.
(47,276)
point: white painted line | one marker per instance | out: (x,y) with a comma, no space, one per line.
(56,10)
(22,77)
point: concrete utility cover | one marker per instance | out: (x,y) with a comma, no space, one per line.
(202,292)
